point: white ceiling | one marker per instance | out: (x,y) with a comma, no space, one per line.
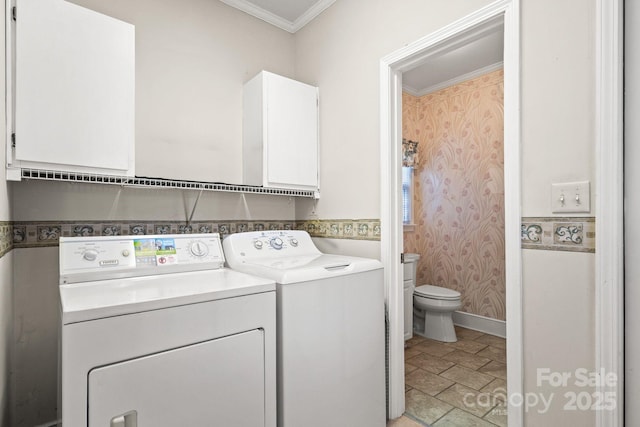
(473,58)
(290,15)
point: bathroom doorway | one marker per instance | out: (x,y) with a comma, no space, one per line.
(500,18)
(453,231)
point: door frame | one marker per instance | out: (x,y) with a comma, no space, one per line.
(609,132)
(391,68)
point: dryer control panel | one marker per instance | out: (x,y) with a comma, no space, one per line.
(97,258)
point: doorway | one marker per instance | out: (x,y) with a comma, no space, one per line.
(455,36)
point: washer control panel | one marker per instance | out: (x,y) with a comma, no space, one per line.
(170,252)
(269,244)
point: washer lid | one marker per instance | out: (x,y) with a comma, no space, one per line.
(438,292)
(304,268)
(114,297)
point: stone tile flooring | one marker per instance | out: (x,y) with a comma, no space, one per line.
(459,384)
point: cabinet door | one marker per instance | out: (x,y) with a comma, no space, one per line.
(292,133)
(219,382)
(74,88)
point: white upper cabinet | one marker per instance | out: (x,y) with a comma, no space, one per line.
(280,133)
(73,89)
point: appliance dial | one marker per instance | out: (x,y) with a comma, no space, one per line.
(276,243)
(199,249)
(90,254)
(257,244)
(294,242)
(125,253)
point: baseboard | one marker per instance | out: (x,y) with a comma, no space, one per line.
(50,424)
(480,323)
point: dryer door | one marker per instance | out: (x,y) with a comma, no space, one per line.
(218,382)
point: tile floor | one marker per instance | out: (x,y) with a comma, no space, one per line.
(459,384)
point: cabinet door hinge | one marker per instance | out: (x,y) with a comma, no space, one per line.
(14,13)
(13,140)
(401,258)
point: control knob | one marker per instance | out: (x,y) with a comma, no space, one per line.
(199,249)
(257,244)
(294,242)
(90,254)
(276,243)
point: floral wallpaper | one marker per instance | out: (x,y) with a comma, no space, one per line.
(459,191)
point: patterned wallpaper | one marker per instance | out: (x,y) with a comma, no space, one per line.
(459,191)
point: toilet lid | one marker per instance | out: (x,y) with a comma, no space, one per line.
(437,292)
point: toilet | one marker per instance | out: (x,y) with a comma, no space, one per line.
(432,310)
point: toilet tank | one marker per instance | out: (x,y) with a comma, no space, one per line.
(410,268)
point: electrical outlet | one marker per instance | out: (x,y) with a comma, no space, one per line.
(571,197)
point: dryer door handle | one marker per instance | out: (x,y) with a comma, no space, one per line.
(129,419)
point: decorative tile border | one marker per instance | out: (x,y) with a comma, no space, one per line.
(574,234)
(6,237)
(47,233)
(353,229)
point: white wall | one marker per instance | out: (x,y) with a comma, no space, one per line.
(42,201)
(558,145)
(192,58)
(340,52)
(632,212)
(558,94)
(6,335)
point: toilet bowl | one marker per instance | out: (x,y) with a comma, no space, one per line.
(432,310)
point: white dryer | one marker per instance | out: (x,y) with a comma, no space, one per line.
(156,333)
(330,322)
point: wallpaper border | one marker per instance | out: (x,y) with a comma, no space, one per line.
(6,237)
(573,234)
(34,234)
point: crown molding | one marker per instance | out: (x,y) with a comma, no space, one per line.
(273,19)
(454,81)
(311,13)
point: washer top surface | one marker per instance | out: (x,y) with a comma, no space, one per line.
(288,257)
(110,276)
(106,298)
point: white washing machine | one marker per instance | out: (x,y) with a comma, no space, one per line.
(330,321)
(156,333)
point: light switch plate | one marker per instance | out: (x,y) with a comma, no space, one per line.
(571,197)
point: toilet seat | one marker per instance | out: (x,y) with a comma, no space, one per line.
(436,292)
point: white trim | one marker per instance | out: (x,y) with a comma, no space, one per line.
(391,228)
(391,68)
(280,22)
(454,81)
(609,298)
(513,210)
(311,14)
(480,323)
(9,49)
